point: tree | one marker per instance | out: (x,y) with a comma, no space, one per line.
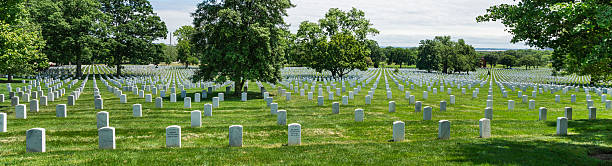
(580,32)
(170,54)
(443,54)
(376,53)
(71,28)
(337,43)
(427,59)
(240,40)
(133,26)
(20,42)
(184,46)
(491,59)
(507,60)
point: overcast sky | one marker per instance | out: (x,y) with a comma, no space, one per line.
(402,23)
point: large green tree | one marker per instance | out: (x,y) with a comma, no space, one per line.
(580,32)
(337,43)
(20,41)
(376,53)
(133,26)
(72,28)
(400,56)
(447,56)
(240,40)
(185,52)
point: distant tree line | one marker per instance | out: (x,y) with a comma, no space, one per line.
(528,58)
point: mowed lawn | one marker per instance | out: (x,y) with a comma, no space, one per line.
(518,138)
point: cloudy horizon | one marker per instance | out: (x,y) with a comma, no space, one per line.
(402,23)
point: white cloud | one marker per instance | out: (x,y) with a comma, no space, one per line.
(401,23)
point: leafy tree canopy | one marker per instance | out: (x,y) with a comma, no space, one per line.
(580,32)
(240,40)
(337,43)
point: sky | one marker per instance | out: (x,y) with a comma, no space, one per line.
(402,23)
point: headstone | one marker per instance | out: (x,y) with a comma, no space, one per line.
(543,112)
(3,118)
(442,105)
(137,110)
(173,136)
(281,117)
(488,113)
(106,138)
(34,105)
(531,104)
(398,131)
(345,100)
(14,101)
(443,129)
(427,113)
(102,119)
(320,100)
(490,103)
(425,95)
(485,128)
(335,108)
(187,102)
(391,106)
(235,136)
(123,98)
(207,109)
(452,99)
(36,140)
(592,113)
(60,111)
(197,97)
(309,95)
(99,104)
(243,97)
(215,102)
(359,115)
(159,102)
(273,108)
(71,100)
(20,111)
(417,106)
(573,100)
(561,126)
(43,100)
(148,98)
(221,96)
(173,98)
(510,104)
(368,100)
(568,113)
(294,134)
(196,118)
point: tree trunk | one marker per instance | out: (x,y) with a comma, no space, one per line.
(118,69)
(79,72)
(238,87)
(10,77)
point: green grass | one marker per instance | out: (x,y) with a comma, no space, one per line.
(518,137)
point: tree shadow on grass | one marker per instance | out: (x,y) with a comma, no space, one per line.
(505,152)
(588,131)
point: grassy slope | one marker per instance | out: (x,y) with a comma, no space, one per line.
(518,138)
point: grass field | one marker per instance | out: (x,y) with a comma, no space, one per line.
(518,138)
